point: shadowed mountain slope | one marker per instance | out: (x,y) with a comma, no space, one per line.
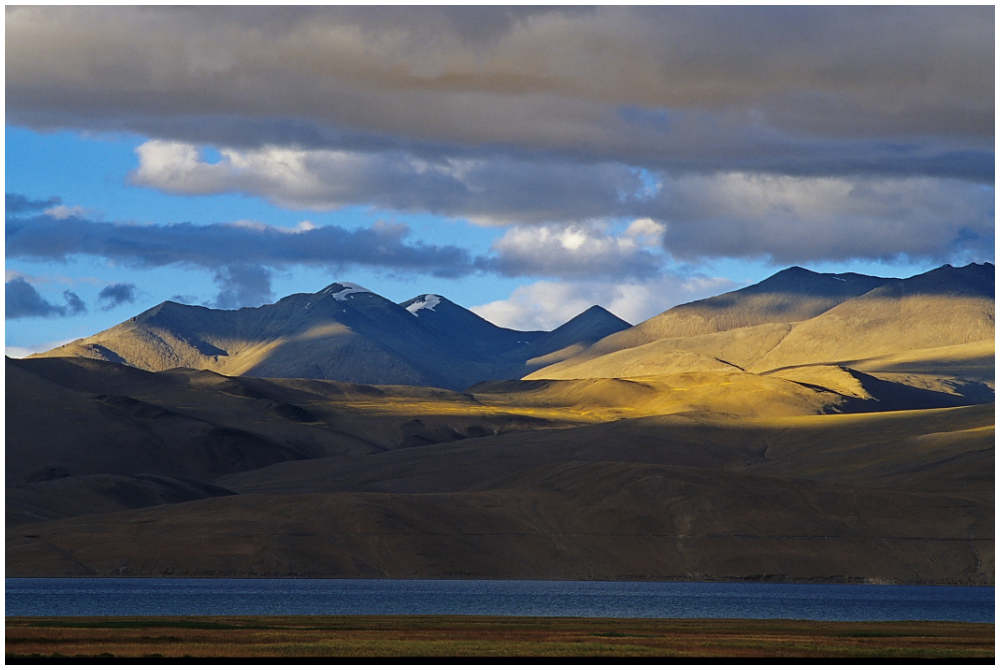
(343,332)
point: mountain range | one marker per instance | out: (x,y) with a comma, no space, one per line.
(798,317)
(812,427)
(343,332)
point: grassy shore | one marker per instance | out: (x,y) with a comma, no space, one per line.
(414,636)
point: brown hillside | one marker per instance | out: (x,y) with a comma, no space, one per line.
(791,295)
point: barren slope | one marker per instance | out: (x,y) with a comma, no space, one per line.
(520,480)
(791,295)
(944,307)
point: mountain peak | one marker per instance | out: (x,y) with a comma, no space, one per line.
(586,327)
(342,290)
(596,314)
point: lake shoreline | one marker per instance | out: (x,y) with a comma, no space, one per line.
(413,636)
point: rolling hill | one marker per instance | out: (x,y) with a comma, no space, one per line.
(185,472)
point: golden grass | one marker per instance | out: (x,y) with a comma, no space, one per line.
(478,636)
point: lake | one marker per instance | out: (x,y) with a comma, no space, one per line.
(823,602)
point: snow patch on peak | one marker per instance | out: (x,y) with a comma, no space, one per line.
(341,290)
(429,301)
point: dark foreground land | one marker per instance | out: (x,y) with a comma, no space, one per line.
(405,636)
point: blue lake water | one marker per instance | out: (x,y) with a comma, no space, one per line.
(157,597)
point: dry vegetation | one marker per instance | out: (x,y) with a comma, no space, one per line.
(436,636)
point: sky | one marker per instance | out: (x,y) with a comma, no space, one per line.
(524,162)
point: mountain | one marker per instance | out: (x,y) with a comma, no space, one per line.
(797,318)
(343,332)
(944,307)
(794,294)
(814,427)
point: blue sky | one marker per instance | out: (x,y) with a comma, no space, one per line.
(525,163)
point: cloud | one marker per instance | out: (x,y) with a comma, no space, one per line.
(495,191)
(113,295)
(15,203)
(789,220)
(242,285)
(788,90)
(580,250)
(383,245)
(238,255)
(545,305)
(63,212)
(23,300)
(74,305)
(791,134)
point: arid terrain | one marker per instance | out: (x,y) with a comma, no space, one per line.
(813,427)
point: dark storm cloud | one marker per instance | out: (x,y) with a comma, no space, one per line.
(113,295)
(15,203)
(23,300)
(890,90)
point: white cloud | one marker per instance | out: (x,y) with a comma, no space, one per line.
(64,212)
(580,250)
(304,226)
(545,305)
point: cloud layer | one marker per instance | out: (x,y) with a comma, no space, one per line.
(898,90)
(606,144)
(785,219)
(240,255)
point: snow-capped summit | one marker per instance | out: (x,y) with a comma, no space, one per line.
(426,301)
(341,290)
